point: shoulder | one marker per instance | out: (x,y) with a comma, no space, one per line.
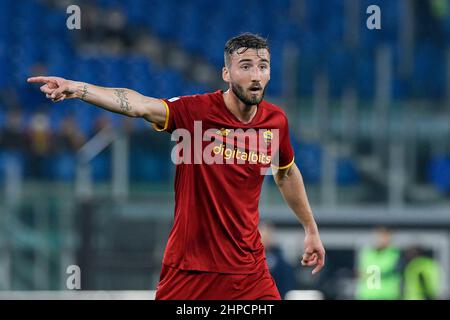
(198,97)
(194,102)
(274,110)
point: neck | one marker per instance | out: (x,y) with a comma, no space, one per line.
(243,112)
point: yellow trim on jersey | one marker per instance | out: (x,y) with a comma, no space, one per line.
(286,166)
(166,122)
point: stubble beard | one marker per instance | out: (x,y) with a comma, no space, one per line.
(248,100)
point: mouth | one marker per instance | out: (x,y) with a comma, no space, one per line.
(255,89)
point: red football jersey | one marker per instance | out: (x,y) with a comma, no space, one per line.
(216,203)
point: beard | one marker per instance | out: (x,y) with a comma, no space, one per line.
(248,98)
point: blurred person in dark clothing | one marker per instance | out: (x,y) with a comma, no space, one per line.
(12,136)
(429,15)
(70,138)
(280,268)
(12,144)
(100,123)
(40,142)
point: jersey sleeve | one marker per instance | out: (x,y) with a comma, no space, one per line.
(178,114)
(285,157)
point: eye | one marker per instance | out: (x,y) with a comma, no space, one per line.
(245,67)
(263,67)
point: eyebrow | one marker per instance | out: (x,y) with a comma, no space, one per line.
(250,60)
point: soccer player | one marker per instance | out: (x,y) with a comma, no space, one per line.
(214,250)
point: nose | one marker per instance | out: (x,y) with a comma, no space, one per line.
(256,75)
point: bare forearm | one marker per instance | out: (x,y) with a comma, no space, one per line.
(118,100)
(291,185)
(293,191)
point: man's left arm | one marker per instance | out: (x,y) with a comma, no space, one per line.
(290,183)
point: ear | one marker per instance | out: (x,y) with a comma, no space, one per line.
(225,74)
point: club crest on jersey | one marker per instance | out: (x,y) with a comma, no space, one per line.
(267,135)
(223,132)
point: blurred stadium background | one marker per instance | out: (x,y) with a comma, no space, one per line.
(369,114)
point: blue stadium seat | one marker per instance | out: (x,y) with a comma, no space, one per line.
(147,167)
(428,78)
(6,157)
(193,26)
(347,174)
(101,166)
(365,77)
(309,159)
(438,172)
(169,83)
(340,66)
(163,18)
(64,166)
(87,69)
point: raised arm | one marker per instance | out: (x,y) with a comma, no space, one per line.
(290,183)
(120,100)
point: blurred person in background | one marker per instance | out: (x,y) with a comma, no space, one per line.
(214,249)
(281,270)
(70,138)
(12,138)
(100,123)
(421,276)
(429,15)
(40,143)
(13,143)
(383,263)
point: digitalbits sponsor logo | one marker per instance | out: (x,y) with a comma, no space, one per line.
(226,146)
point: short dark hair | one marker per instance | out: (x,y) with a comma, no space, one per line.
(245,40)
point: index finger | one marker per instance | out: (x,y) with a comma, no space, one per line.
(39,80)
